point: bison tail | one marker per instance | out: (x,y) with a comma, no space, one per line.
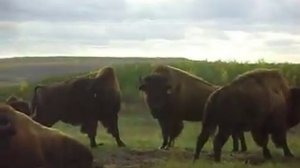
(209,126)
(34,101)
(206,132)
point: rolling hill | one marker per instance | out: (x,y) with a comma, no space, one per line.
(31,69)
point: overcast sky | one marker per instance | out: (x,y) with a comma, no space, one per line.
(242,30)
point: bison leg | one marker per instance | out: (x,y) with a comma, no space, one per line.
(238,136)
(164,131)
(91,129)
(175,130)
(113,129)
(92,138)
(116,135)
(279,139)
(219,142)
(243,142)
(202,139)
(260,136)
(235,141)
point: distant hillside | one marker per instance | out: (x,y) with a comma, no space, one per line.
(31,69)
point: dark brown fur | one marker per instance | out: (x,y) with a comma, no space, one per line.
(294,107)
(255,101)
(174,95)
(82,101)
(25,143)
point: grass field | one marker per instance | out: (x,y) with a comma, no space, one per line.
(138,129)
(142,135)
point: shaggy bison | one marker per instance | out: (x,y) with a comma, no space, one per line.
(19,104)
(255,101)
(25,143)
(174,95)
(82,101)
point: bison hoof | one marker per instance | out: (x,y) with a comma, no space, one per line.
(93,146)
(244,150)
(96,145)
(289,155)
(235,151)
(164,147)
(267,155)
(196,157)
(121,144)
(217,159)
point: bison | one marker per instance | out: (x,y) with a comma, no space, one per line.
(26,143)
(19,104)
(174,95)
(255,101)
(81,101)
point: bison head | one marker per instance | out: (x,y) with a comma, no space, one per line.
(157,90)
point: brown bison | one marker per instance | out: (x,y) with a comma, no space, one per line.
(174,95)
(82,101)
(26,143)
(256,101)
(19,104)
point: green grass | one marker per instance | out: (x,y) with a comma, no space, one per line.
(142,135)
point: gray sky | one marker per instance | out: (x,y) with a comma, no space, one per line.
(242,30)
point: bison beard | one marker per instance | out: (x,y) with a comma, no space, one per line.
(255,101)
(82,101)
(173,96)
(25,143)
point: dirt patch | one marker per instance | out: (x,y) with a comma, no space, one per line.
(128,158)
(252,158)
